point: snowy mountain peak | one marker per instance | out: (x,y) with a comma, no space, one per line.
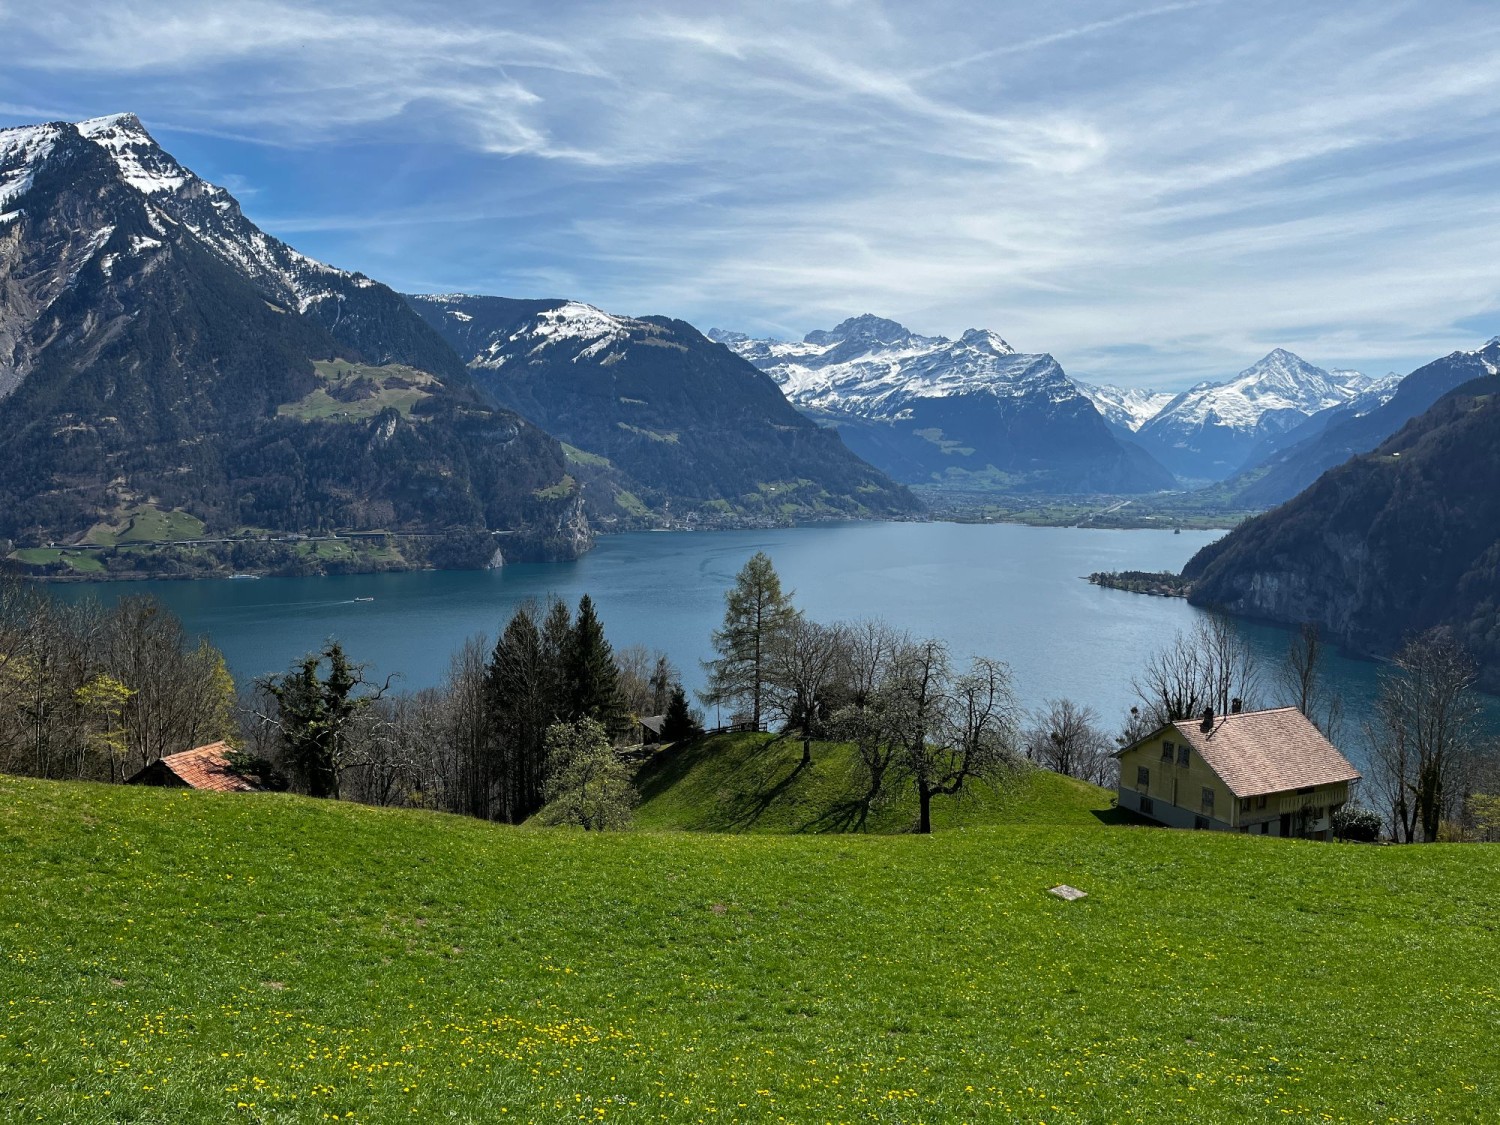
(145,165)
(1206,431)
(864,329)
(877,368)
(985,340)
(1130,407)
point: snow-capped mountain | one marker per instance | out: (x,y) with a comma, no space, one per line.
(925,408)
(157,350)
(684,429)
(1331,438)
(1128,408)
(1209,431)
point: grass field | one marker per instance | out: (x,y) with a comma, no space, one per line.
(145,524)
(757,783)
(354,391)
(81,561)
(175,956)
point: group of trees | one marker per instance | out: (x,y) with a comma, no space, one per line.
(532,721)
(99,693)
(910,715)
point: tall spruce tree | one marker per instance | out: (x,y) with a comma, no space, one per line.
(518,690)
(757,614)
(593,675)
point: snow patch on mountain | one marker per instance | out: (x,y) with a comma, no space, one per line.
(22,151)
(876,368)
(1281,389)
(1131,407)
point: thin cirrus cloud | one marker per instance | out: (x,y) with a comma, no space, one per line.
(1154,192)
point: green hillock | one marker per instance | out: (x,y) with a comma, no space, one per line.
(757,783)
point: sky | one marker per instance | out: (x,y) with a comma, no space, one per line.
(1154,192)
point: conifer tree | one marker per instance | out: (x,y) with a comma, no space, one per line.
(679,722)
(593,676)
(518,691)
(756,615)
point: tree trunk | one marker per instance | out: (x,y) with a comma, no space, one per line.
(924,817)
(806,749)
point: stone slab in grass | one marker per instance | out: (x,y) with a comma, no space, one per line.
(1069,894)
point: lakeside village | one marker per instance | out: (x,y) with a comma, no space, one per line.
(552,725)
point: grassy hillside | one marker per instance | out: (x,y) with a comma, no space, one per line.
(170,956)
(757,783)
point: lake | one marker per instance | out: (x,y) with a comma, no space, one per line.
(1003,590)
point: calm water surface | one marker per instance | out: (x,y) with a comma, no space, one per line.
(1002,590)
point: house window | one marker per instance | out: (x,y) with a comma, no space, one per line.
(1182,755)
(1260,802)
(1208,799)
(1200,822)
(1142,776)
(1146,805)
(1168,749)
(1244,804)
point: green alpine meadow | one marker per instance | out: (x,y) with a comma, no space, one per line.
(170,955)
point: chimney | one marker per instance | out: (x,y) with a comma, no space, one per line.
(1208,720)
(1236,705)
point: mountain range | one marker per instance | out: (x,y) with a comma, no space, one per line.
(162,358)
(659,421)
(1212,430)
(928,409)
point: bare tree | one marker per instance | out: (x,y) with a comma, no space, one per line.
(1209,667)
(1066,737)
(804,661)
(1302,681)
(973,738)
(1426,733)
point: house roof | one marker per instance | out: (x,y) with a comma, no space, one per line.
(208,767)
(1258,752)
(653,723)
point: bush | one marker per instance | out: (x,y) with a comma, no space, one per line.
(1357,823)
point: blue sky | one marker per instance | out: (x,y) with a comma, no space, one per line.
(1156,193)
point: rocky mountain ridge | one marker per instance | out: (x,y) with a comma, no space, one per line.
(662,424)
(160,354)
(927,409)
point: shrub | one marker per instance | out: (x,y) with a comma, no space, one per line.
(1357,823)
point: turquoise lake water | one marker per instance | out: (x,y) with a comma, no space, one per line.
(1002,590)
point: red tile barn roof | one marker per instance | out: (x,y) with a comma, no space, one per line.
(208,767)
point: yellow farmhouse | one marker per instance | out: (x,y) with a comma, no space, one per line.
(1267,772)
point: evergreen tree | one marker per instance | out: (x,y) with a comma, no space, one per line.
(680,722)
(314,716)
(756,616)
(593,676)
(557,649)
(518,691)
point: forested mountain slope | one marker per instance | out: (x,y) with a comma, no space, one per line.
(1391,542)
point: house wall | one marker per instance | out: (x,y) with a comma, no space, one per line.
(1175,786)
(1176,793)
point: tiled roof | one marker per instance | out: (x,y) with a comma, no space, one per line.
(207,767)
(1258,752)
